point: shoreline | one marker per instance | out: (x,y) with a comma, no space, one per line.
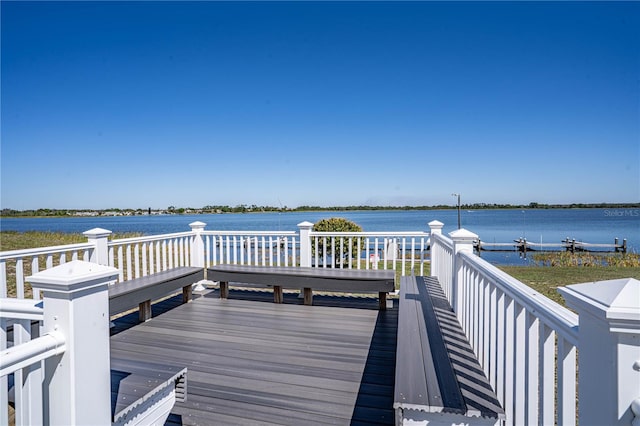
(81,213)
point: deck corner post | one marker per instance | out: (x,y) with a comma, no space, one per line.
(305,243)
(435,228)
(100,239)
(462,242)
(77,383)
(609,344)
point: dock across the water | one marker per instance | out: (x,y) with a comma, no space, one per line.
(523,245)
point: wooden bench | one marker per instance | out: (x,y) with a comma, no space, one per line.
(306,279)
(438,378)
(144,393)
(140,292)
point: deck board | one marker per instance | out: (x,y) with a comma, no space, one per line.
(251,361)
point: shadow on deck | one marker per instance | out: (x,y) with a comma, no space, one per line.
(251,361)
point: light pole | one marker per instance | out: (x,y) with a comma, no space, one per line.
(457,195)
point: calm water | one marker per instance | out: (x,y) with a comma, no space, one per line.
(550,226)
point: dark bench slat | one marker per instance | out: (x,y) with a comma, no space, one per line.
(413,390)
(141,291)
(306,279)
(426,378)
(323,279)
(419,369)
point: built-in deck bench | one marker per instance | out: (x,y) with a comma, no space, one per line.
(140,292)
(438,378)
(144,393)
(306,279)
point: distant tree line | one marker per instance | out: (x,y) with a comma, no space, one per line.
(246,208)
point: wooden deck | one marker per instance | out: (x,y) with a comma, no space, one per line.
(251,361)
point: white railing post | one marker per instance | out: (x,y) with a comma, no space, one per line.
(197,244)
(76,304)
(99,238)
(435,227)
(609,345)
(462,241)
(197,250)
(305,243)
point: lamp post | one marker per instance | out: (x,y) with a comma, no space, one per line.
(457,195)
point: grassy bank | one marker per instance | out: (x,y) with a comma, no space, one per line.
(13,240)
(546,279)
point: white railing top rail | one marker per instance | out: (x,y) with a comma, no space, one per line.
(249,233)
(443,240)
(28,353)
(147,238)
(369,234)
(549,312)
(13,254)
(27,309)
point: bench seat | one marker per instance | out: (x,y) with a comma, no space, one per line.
(140,292)
(438,378)
(144,393)
(305,279)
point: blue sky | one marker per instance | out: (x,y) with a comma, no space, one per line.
(151,104)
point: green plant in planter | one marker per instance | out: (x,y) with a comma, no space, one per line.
(337,224)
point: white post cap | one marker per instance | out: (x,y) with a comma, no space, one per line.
(616,302)
(97,233)
(463,235)
(197,225)
(73,276)
(435,224)
(305,224)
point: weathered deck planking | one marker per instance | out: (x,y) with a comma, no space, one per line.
(251,362)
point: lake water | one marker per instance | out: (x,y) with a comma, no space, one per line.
(537,225)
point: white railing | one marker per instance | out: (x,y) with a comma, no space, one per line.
(371,250)
(22,318)
(265,248)
(15,265)
(527,344)
(141,256)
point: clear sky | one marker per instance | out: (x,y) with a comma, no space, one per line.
(151,104)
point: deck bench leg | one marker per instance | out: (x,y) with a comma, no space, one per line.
(187,293)
(277,294)
(308,296)
(224,289)
(382,300)
(144,311)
